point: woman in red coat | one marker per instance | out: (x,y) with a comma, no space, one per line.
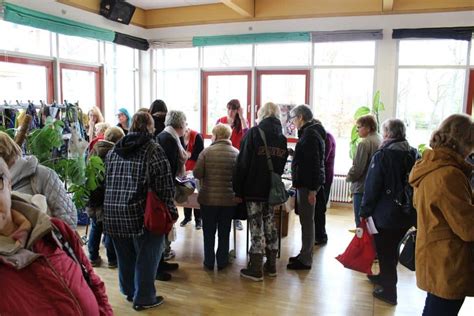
(194,144)
(39,276)
(235,118)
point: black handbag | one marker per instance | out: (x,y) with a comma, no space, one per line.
(407,253)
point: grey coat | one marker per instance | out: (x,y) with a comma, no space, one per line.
(365,150)
(29,177)
(214,168)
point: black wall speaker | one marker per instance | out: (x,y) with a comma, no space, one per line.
(117,10)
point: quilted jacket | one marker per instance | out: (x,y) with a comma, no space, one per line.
(41,278)
(33,178)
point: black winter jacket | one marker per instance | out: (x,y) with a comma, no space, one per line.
(385,177)
(307,167)
(251,179)
(168,143)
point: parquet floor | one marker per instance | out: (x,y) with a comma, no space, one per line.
(327,289)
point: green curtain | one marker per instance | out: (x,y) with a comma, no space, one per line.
(251,38)
(24,16)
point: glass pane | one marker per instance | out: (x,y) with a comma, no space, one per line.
(119,93)
(432,52)
(344,53)
(285,90)
(170,89)
(337,95)
(120,56)
(174,58)
(78,48)
(287,54)
(228,56)
(18,38)
(427,96)
(79,86)
(220,90)
(22,82)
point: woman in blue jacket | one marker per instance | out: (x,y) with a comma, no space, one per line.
(386,180)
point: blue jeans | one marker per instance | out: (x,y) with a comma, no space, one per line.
(138,259)
(93,244)
(438,306)
(357,200)
(216,218)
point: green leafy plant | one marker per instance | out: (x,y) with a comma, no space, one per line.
(81,177)
(375,109)
(421,148)
(9,131)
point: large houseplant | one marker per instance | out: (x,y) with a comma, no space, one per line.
(80,176)
(375,109)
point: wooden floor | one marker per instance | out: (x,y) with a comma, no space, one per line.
(327,289)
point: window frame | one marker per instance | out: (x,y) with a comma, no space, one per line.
(98,73)
(204,94)
(28,61)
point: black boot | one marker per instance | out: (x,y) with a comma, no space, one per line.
(270,264)
(254,268)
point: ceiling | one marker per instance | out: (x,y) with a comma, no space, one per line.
(161,4)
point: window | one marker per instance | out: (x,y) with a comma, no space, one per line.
(227,56)
(175,58)
(431,80)
(343,81)
(78,48)
(180,91)
(283,54)
(24,79)
(121,80)
(18,38)
(81,84)
(344,53)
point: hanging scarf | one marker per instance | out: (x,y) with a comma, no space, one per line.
(182,155)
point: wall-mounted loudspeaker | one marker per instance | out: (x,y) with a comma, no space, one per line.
(117,10)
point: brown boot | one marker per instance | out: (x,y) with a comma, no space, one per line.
(254,268)
(270,265)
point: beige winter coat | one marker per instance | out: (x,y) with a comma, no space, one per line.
(445,237)
(214,168)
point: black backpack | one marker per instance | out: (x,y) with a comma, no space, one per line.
(404,197)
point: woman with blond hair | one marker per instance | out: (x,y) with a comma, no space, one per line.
(95,117)
(100,129)
(252,185)
(30,177)
(216,197)
(443,199)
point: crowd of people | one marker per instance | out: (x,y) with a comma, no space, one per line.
(149,150)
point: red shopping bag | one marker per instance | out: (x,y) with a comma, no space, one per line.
(360,253)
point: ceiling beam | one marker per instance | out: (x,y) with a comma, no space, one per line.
(245,8)
(387,5)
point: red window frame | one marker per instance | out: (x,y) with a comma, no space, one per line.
(470,93)
(98,71)
(204,84)
(49,72)
(260,73)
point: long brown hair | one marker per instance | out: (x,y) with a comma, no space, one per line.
(234,104)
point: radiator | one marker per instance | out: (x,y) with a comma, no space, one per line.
(340,190)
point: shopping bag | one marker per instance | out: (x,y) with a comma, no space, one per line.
(360,253)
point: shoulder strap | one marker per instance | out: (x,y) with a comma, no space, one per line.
(70,252)
(269,159)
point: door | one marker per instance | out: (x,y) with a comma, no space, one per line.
(218,88)
(286,88)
